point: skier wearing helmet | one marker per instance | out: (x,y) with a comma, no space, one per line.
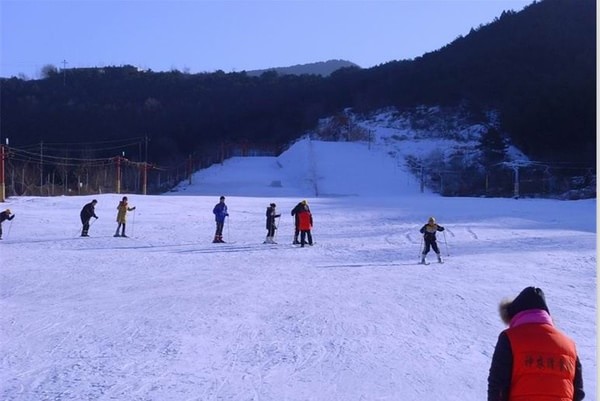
(5,215)
(429,230)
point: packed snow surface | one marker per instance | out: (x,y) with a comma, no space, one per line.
(167,315)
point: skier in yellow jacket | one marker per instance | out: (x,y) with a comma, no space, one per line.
(123,208)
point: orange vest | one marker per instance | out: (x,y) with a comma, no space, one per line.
(543,363)
(304,222)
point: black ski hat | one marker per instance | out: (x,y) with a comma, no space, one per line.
(529,298)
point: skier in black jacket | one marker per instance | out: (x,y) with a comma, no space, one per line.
(86,215)
(429,230)
(5,215)
(271,226)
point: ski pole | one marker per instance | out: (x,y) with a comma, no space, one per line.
(446,243)
(420,249)
(228,234)
(276,225)
(133,223)
(9,227)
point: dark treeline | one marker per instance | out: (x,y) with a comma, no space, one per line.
(536,67)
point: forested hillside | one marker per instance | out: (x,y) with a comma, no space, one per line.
(536,68)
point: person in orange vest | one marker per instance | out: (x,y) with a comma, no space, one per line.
(305,223)
(533,360)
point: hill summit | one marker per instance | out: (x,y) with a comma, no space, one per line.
(322,68)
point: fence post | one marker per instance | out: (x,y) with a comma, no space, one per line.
(2,188)
(516,188)
(118,174)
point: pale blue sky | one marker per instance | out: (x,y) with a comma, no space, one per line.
(204,36)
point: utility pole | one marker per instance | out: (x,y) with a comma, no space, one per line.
(2,190)
(190,169)
(64,63)
(41,165)
(516,189)
(145,178)
(146,167)
(119,159)
(146,152)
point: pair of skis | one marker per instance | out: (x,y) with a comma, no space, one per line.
(428,263)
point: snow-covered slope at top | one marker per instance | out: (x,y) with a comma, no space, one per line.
(376,167)
(308,168)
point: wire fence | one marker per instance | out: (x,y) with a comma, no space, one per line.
(102,167)
(541,180)
(51,176)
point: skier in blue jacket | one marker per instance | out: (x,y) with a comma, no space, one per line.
(220,211)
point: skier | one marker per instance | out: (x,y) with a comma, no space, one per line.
(123,208)
(5,215)
(533,360)
(429,230)
(299,207)
(271,226)
(220,211)
(305,223)
(86,215)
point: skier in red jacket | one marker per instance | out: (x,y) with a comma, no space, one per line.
(305,223)
(297,209)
